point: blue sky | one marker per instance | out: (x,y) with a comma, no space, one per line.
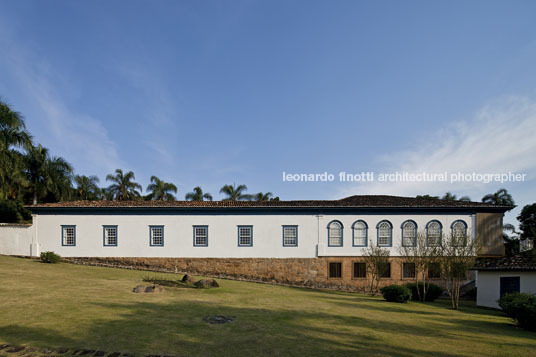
(214,92)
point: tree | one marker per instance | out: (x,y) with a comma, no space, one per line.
(86,187)
(510,239)
(123,187)
(377,262)
(160,190)
(501,197)
(13,135)
(198,195)
(235,193)
(457,255)
(452,197)
(47,175)
(262,196)
(527,224)
(422,255)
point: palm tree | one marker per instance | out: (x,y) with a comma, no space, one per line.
(501,197)
(198,195)
(47,175)
(262,196)
(449,197)
(86,187)
(123,188)
(235,193)
(13,134)
(160,190)
(452,197)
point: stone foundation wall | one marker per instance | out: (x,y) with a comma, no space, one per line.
(309,272)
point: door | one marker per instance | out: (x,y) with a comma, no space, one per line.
(509,285)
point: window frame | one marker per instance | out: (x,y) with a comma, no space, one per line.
(390,233)
(387,276)
(63,226)
(466,229)
(353,233)
(440,233)
(195,236)
(435,264)
(353,270)
(283,235)
(104,227)
(329,234)
(251,235)
(404,264)
(151,244)
(416,230)
(329,270)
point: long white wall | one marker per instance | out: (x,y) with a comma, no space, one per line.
(489,285)
(133,234)
(16,239)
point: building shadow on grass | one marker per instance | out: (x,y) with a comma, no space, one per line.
(178,329)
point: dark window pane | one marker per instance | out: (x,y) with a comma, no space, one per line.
(360,270)
(335,270)
(384,270)
(408,270)
(434,271)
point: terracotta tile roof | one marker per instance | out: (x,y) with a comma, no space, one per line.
(358,201)
(523,261)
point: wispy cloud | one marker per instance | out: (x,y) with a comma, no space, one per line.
(500,138)
(78,136)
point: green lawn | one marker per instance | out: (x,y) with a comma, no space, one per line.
(63,305)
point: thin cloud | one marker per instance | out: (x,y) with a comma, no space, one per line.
(79,137)
(499,139)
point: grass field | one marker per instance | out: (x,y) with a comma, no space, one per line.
(63,305)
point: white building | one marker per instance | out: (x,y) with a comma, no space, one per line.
(499,276)
(322,240)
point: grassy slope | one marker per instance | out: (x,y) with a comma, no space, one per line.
(64,305)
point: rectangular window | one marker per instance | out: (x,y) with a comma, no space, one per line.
(68,235)
(290,236)
(156,236)
(360,270)
(245,236)
(434,271)
(200,236)
(110,236)
(408,270)
(335,270)
(384,270)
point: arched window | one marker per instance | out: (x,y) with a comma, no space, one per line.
(409,233)
(335,234)
(433,233)
(360,234)
(459,233)
(385,233)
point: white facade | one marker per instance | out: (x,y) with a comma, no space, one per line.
(489,285)
(133,233)
(17,239)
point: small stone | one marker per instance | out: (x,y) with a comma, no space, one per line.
(188,279)
(139,289)
(218,319)
(207,283)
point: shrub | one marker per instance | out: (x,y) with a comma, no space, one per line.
(50,257)
(433,292)
(396,293)
(521,307)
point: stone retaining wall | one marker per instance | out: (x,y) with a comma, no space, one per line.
(308,272)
